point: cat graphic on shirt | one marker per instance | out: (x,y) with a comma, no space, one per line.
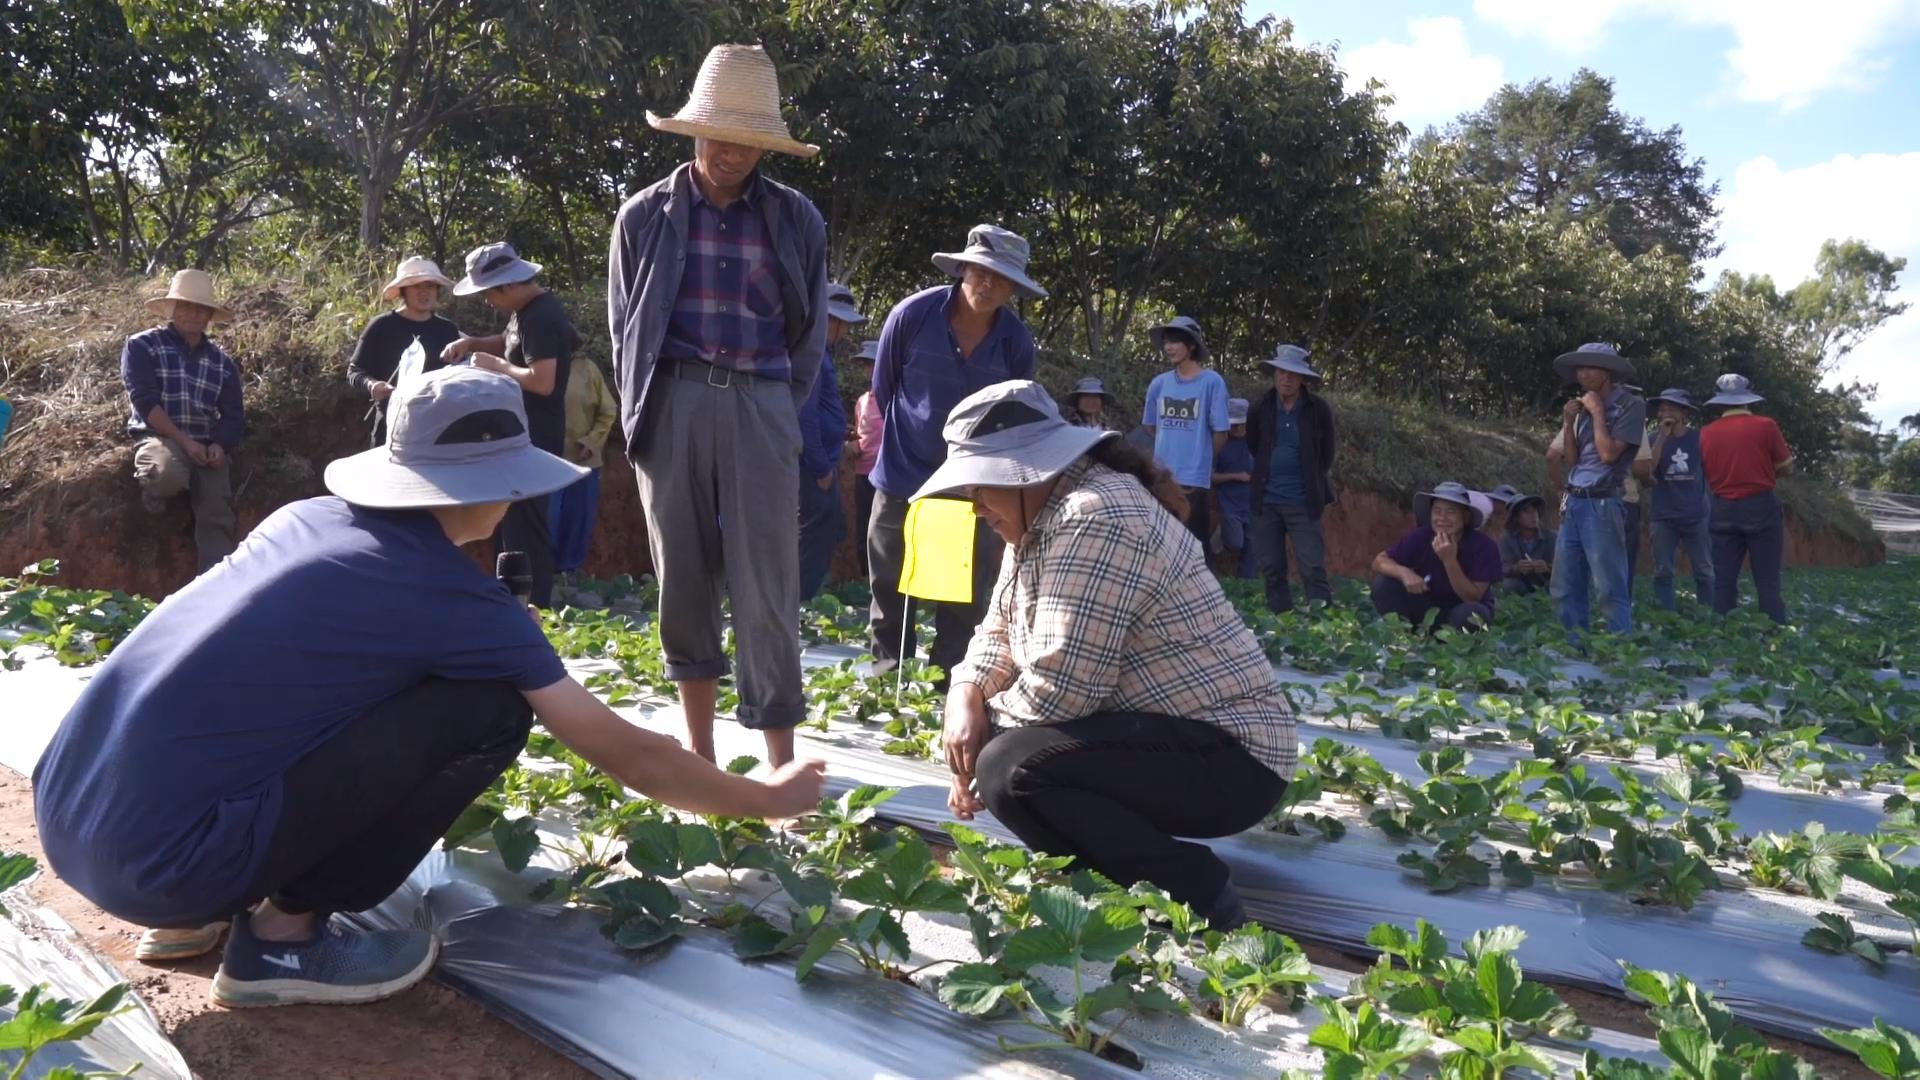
(1179,413)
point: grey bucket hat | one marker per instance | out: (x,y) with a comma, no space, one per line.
(869,351)
(1009,435)
(842,305)
(456,436)
(1291,358)
(1236,411)
(1678,397)
(1593,354)
(1520,502)
(1505,493)
(999,250)
(1731,389)
(494,264)
(1187,325)
(1449,491)
(1090,385)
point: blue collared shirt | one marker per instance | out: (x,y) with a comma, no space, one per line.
(728,312)
(197,386)
(921,376)
(1627,423)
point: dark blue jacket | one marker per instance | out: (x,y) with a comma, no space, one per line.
(823,424)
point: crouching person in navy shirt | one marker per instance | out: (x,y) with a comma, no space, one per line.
(285,738)
(1446,564)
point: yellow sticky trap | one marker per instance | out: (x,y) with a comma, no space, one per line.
(939,560)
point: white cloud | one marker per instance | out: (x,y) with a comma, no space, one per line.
(1785,52)
(1433,78)
(1774,220)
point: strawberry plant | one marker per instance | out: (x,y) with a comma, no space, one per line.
(837,832)
(1363,1043)
(78,626)
(1889,1051)
(1070,932)
(41,1020)
(1245,967)
(14,869)
(1836,934)
(1698,1035)
(998,881)
(1811,861)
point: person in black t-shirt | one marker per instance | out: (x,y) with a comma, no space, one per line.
(416,284)
(536,351)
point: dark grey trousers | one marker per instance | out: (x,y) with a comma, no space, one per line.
(719,470)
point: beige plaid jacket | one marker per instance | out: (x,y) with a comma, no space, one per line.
(1108,606)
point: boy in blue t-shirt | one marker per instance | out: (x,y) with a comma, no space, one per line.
(1186,415)
(1232,477)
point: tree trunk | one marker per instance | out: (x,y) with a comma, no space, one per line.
(373,199)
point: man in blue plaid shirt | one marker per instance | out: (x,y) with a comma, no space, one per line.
(186,410)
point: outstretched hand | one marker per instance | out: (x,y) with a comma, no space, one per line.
(795,788)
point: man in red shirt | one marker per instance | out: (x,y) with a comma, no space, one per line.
(1744,454)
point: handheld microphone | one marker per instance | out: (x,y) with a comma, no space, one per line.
(515,571)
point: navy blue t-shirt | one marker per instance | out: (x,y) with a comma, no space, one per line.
(1681,494)
(161,790)
(1235,496)
(1286,486)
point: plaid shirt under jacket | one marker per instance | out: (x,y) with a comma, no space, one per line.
(199,388)
(1107,605)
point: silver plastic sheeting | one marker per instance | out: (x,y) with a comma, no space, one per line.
(53,956)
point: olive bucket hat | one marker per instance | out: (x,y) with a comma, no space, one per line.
(1008,435)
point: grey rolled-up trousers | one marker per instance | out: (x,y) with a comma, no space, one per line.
(719,480)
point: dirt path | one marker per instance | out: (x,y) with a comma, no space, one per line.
(427,1031)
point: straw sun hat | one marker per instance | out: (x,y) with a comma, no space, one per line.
(736,99)
(195,287)
(414,270)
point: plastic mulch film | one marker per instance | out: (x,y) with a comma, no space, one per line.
(43,950)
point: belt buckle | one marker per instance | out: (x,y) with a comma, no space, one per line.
(726,377)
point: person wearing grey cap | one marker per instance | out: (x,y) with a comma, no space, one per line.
(1291,432)
(823,432)
(1526,546)
(1112,701)
(536,352)
(717,309)
(1186,414)
(1600,432)
(1676,477)
(1087,404)
(289,736)
(938,346)
(1232,477)
(1745,456)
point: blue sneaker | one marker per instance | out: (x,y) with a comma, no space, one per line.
(341,966)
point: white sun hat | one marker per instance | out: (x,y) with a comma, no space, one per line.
(735,99)
(413,270)
(455,437)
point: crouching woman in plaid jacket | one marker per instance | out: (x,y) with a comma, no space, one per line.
(1111,701)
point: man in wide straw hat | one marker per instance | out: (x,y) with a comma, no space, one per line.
(187,412)
(938,346)
(1600,433)
(286,738)
(716,299)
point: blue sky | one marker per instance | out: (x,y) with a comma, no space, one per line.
(1808,114)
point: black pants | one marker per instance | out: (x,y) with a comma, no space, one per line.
(862,514)
(1115,789)
(1200,516)
(952,623)
(525,529)
(361,810)
(1750,529)
(1390,597)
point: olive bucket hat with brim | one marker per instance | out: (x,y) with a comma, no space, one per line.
(492,265)
(456,436)
(1185,324)
(842,305)
(1000,250)
(1008,435)
(1453,492)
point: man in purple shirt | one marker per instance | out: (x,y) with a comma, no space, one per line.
(1446,564)
(716,299)
(187,412)
(938,346)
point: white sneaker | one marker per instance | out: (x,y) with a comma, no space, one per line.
(178,944)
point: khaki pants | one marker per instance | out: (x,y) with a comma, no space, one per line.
(164,471)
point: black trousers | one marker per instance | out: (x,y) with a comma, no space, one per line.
(891,612)
(1115,790)
(361,810)
(863,492)
(1753,531)
(1390,597)
(1200,516)
(525,529)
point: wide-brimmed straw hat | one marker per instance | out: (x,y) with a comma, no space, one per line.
(1731,389)
(735,99)
(1291,358)
(1236,411)
(195,287)
(842,305)
(414,270)
(1448,491)
(1678,397)
(999,250)
(1597,354)
(1090,385)
(456,436)
(492,265)
(1009,435)
(1185,324)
